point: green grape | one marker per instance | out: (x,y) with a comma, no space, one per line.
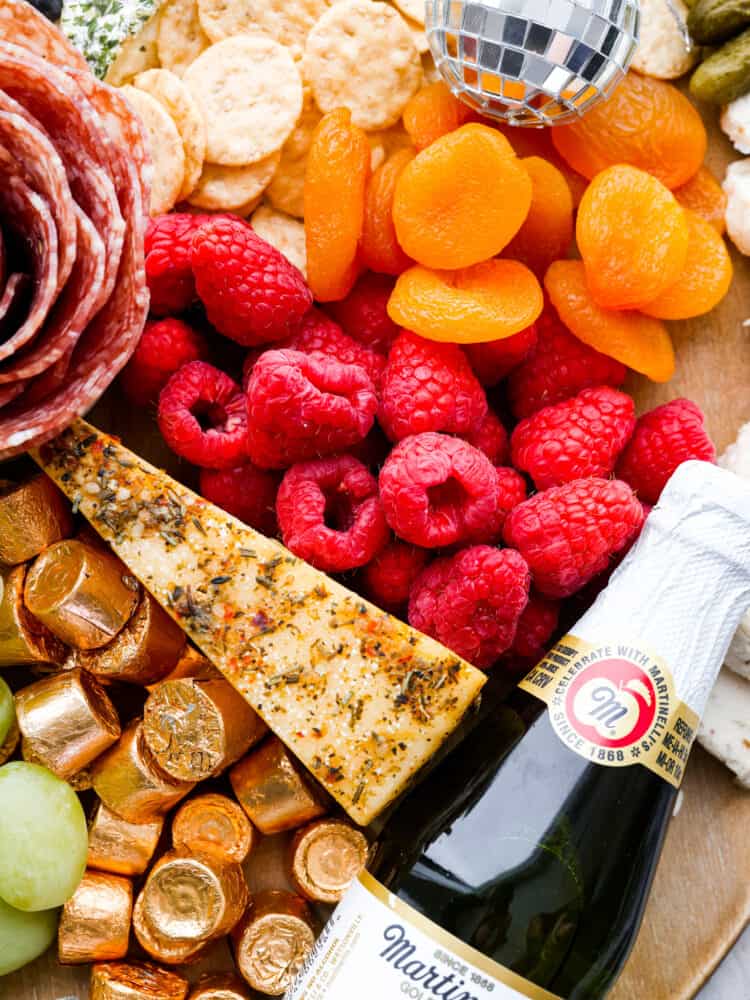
(24,936)
(7,710)
(43,838)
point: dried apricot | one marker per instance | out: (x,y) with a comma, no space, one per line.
(379,248)
(703,194)
(489,301)
(338,167)
(461,200)
(647,123)
(538,142)
(548,229)
(638,341)
(704,280)
(433,112)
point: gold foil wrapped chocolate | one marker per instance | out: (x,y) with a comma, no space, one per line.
(136,981)
(83,595)
(121,847)
(95,921)
(163,949)
(273,940)
(213,824)
(81,781)
(325,858)
(10,743)
(23,639)
(272,790)
(68,720)
(222,986)
(33,515)
(197,728)
(192,664)
(130,782)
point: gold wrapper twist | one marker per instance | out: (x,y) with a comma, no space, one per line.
(136,981)
(160,948)
(10,743)
(270,787)
(121,847)
(33,515)
(23,639)
(85,596)
(273,940)
(192,664)
(325,858)
(220,987)
(95,921)
(213,824)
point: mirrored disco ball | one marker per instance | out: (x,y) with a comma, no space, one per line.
(532,62)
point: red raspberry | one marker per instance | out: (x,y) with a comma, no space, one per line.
(251,292)
(302,407)
(169,239)
(165,346)
(389,577)
(511,491)
(569,533)
(536,627)
(330,515)
(558,367)
(493,360)
(195,395)
(429,387)
(320,336)
(438,490)
(663,439)
(246,492)
(577,438)
(491,438)
(364,312)
(472,601)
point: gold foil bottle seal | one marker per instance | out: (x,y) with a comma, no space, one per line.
(136,981)
(95,921)
(213,824)
(23,639)
(68,720)
(33,515)
(197,728)
(10,743)
(192,664)
(121,847)
(166,950)
(222,986)
(273,940)
(130,782)
(83,595)
(325,858)
(270,787)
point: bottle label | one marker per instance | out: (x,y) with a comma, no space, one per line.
(375,945)
(616,705)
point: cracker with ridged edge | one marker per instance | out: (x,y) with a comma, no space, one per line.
(283,232)
(165,147)
(181,38)
(230,189)
(286,191)
(137,53)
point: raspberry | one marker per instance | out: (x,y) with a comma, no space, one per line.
(319,335)
(663,439)
(363,314)
(536,626)
(301,407)
(569,533)
(511,491)
(493,360)
(438,490)
(429,387)
(246,492)
(472,601)
(165,346)
(196,391)
(389,577)
(557,368)
(250,290)
(491,438)
(168,243)
(576,438)
(329,513)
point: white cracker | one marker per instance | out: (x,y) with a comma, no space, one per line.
(418,34)
(413,9)
(287,21)
(165,146)
(181,38)
(286,191)
(283,232)
(232,188)
(221,19)
(138,53)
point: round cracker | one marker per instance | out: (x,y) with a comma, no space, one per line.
(165,147)
(231,188)
(289,21)
(283,232)
(415,10)
(250,92)
(169,90)
(286,192)
(181,38)
(361,55)
(222,19)
(137,53)
(418,34)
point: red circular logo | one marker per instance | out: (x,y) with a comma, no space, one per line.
(611,703)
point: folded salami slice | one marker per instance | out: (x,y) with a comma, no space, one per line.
(22,24)
(12,293)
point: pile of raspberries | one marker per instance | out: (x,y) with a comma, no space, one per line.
(374,453)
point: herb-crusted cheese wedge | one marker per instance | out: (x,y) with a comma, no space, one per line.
(362,699)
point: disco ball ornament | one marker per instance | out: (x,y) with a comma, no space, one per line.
(532,62)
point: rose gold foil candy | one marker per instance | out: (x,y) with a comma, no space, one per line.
(68,720)
(273,940)
(121,847)
(167,950)
(192,664)
(81,781)
(220,987)
(213,824)
(95,921)
(271,789)
(33,515)
(136,981)
(325,858)
(83,595)
(10,743)
(23,639)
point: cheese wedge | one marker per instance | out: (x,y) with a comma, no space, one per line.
(362,699)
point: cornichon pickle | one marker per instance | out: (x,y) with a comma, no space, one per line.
(725,75)
(712,21)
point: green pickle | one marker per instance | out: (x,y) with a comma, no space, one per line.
(725,75)
(712,21)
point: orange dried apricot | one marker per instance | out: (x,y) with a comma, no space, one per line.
(704,280)
(633,237)
(538,142)
(647,123)
(432,112)
(338,167)
(638,341)
(704,195)
(489,301)
(379,248)
(461,200)
(548,229)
